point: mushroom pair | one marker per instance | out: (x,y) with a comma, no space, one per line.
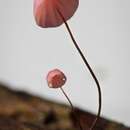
(53,13)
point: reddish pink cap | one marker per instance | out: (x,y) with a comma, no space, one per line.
(56,78)
(46,14)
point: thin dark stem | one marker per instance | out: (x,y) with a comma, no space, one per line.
(72,107)
(89,68)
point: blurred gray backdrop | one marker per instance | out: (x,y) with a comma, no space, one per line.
(102,30)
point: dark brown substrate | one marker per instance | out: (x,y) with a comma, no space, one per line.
(22,111)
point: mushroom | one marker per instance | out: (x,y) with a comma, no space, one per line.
(53,13)
(56,78)
(48,12)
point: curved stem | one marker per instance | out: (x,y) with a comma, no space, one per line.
(72,107)
(89,68)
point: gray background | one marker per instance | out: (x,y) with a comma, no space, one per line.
(102,29)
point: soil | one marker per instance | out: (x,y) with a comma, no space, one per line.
(22,111)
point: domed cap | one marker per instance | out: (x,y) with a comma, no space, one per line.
(56,78)
(47,15)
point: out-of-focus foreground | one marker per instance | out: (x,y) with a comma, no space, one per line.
(22,111)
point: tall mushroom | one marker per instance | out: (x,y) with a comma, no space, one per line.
(53,13)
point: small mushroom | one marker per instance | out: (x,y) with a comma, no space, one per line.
(56,78)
